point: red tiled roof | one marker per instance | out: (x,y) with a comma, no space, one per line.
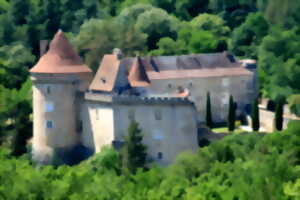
(107,74)
(137,75)
(60,59)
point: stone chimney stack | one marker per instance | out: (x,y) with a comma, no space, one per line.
(44,45)
(118,53)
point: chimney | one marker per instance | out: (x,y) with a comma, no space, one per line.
(44,44)
(118,53)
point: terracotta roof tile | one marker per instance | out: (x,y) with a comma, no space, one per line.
(60,59)
(107,74)
(137,75)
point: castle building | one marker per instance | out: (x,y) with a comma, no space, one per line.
(166,95)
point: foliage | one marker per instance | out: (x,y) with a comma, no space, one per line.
(294,104)
(98,37)
(134,151)
(279,63)
(231,168)
(231,114)
(255,115)
(156,23)
(247,37)
(209,121)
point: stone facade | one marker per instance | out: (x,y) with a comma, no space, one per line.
(76,112)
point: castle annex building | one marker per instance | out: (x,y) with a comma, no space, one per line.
(166,95)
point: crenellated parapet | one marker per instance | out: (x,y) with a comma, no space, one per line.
(130,99)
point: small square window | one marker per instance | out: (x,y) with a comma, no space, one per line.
(225,82)
(157,114)
(49,106)
(49,124)
(160,155)
(131,115)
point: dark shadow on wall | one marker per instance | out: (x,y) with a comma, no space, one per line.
(71,156)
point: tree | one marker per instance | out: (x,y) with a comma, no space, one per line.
(247,37)
(202,42)
(19,11)
(279,63)
(98,37)
(210,22)
(215,25)
(231,114)
(157,23)
(279,115)
(15,61)
(167,46)
(284,13)
(209,121)
(255,115)
(294,104)
(187,9)
(134,151)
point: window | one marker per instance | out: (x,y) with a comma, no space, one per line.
(225,82)
(49,124)
(79,126)
(48,90)
(97,114)
(159,155)
(49,106)
(157,114)
(131,115)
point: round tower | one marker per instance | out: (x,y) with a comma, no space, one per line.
(57,78)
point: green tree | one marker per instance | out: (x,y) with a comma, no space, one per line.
(209,121)
(210,22)
(157,23)
(247,37)
(15,61)
(284,13)
(255,115)
(202,42)
(19,11)
(215,25)
(231,114)
(134,151)
(279,115)
(98,37)
(167,46)
(294,104)
(279,63)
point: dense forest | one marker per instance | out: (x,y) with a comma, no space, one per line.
(239,167)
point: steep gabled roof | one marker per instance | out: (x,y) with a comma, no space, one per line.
(106,75)
(137,75)
(60,58)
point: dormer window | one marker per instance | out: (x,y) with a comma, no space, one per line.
(103,80)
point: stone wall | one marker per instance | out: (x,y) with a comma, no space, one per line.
(54,114)
(168,128)
(267,119)
(243,89)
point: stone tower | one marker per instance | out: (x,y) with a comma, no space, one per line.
(57,79)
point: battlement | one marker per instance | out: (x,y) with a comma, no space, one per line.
(126,99)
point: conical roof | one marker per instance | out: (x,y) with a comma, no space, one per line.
(137,75)
(61,58)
